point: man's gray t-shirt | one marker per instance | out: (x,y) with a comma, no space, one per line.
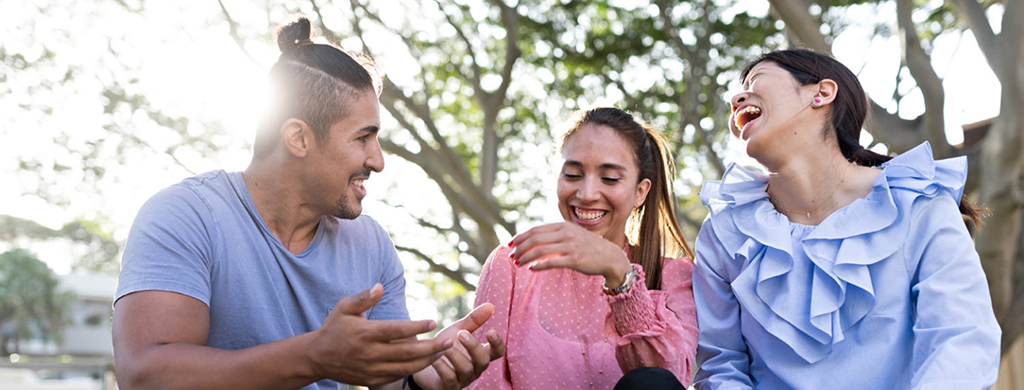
(204,238)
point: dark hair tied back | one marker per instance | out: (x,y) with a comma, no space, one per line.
(315,83)
(294,35)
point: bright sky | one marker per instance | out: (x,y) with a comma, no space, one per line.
(220,82)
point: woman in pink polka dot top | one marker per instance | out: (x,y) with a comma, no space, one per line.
(581,302)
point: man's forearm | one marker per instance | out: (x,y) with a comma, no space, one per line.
(279,365)
(396,385)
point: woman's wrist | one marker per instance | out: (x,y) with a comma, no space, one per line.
(409,383)
(616,276)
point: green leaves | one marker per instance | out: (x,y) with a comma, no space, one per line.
(31,306)
(93,245)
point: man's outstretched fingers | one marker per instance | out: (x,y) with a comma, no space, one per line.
(393,371)
(394,330)
(411,350)
(360,303)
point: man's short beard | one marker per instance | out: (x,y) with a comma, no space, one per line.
(342,209)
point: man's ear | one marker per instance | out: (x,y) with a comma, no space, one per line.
(297,137)
(827,90)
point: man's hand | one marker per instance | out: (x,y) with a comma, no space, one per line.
(464,363)
(350,349)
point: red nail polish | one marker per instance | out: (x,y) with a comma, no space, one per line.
(516,261)
(510,243)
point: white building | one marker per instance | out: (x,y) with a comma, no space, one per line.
(85,359)
(89,331)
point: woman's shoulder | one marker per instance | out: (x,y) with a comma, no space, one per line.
(676,262)
(917,173)
(499,261)
(679,269)
(737,187)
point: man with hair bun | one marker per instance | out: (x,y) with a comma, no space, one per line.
(271,278)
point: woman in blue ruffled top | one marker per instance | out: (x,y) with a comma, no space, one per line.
(841,268)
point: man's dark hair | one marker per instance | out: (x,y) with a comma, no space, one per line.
(312,82)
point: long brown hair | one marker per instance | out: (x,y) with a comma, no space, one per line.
(653,226)
(849,108)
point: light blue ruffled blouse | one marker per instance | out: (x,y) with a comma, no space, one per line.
(886,293)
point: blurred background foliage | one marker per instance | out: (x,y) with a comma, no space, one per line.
(477,93)
(31,305)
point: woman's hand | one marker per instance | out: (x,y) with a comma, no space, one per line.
(567,245)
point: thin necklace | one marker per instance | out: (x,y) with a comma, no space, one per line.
(583,343)
(809,212)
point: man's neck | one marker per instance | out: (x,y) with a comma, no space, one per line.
(280,201)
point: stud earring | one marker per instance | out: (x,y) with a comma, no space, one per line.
(816,102)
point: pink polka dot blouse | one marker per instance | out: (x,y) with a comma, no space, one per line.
(563,332)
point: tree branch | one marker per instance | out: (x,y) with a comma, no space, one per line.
(328,33)
(458,169)
(1010,37)
(455,275)
(233,30)
(493,102)
(464,236)
(473,209)
(630,99)
(898,134)
(673,32)
(972,12)
(485,212)
(919,63)
(472,78)
(509,20)
(802,24)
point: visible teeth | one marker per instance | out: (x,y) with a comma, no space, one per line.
(589,215)
(750,109)
(357,182)
(743,116)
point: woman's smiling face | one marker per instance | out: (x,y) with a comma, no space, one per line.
(598,187)
(772,102)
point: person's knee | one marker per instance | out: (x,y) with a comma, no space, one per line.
(649,378)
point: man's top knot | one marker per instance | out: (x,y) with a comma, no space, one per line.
(293,35)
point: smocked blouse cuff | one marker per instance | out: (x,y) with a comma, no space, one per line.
(633,311)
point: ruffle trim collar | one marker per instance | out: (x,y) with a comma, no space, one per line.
(840,291)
